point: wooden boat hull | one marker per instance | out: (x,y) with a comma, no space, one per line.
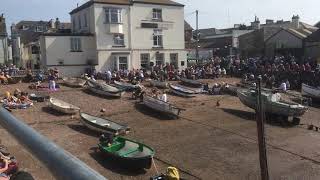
(74,82)
(103,92)
(310,91)
(140,156)
(192,83)
(125,86)
(64,109)
(181,92)
(159,84)
(161,106)
(104,125)
(279,108)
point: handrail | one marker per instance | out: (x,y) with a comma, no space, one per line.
(61,163)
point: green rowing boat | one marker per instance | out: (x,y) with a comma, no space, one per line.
(127,152)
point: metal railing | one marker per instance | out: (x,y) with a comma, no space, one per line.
(60,163)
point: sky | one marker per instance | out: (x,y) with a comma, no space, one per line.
(212,13)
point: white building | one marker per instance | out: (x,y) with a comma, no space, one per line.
(118,34)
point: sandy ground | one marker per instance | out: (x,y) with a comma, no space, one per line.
(207,142)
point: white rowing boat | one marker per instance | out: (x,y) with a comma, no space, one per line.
(161,106)
(63,107)
(104,89)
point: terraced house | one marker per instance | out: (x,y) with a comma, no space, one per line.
(118,35)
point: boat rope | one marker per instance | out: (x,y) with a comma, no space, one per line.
(154,165)
(255,141)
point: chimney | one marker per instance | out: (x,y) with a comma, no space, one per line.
(57,23)
(52,24)
(256,24)
(296,21)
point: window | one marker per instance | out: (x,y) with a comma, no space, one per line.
(39,29)
(24,27)
(79,18)
(74,24)
(157,38)
(118,39)
(113,15)
(123,63)
(35,50)
(182,63)
(85,20)
(159,58)
(174,59)
(157,14)
(145,58)
(75,44)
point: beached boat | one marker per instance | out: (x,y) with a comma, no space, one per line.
(128,153)
(125,86)
(74,82)
(159,84)
(190,82)
(272,103)
(310,91)
(182,91)
(103,125)
(161,106)
(63,107)
(104,89)
(38,97)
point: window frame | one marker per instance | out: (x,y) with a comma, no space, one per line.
(76,44)
(120,64)
(162,60)
(157,14)
(120,39)
(176,62)
(85,20)
(145,61)
(79,21)
(157,38)
(109,12)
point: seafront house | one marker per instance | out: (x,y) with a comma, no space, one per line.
(25,40)
(3,41)
(118,35)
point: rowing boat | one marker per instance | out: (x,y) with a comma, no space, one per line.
(159,84)
(190,82)
(63,107)
(127,153)
(182,91)
(125,86)
(104,89)
(161,106)
(272,103)
(103,125)
(310,91)
(74,82)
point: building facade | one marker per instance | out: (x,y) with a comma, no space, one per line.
(3,41)
(25,37)
(286,42)
(123,35)
(312,46)
(253,43)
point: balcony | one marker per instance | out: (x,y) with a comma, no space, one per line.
(114,28)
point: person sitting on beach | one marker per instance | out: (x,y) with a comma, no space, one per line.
(283,86)
(3,78)
(163,97)
(3,175)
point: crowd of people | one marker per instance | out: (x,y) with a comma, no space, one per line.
(275,72)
